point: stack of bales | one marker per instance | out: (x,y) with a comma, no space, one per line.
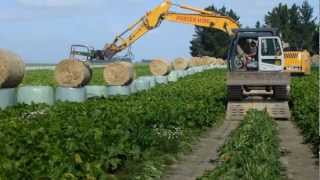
(72,76)
(205,60)
(119,76)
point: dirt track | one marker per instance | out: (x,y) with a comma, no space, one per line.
(297,157)
(205,151)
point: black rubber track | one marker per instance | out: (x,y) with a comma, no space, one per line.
(235,93)
(280,92)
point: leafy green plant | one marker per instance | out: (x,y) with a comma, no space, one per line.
(252,152)
(305,107)
(119,137)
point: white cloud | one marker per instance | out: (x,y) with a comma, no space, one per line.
(51,3)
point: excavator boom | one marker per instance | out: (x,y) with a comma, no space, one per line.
(154,18)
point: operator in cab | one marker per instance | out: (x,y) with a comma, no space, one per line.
(247,50)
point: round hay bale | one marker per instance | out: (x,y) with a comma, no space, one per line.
(160,67)
(71,73)
(119,73)
(195,61)
(180,64)
(12,69)
(220,61)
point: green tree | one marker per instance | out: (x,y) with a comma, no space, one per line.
(308,25)
(315,42)
(296,24)
(258,24)
(211,42)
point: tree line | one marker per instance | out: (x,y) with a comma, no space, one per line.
(296,23)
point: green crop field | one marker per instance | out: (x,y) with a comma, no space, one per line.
(120,136)
(138,136)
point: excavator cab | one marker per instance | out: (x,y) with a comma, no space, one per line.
(256,77)
(256,50)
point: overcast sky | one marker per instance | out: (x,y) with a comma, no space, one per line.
(41,31)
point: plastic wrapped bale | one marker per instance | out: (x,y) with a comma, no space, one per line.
(142,84)
(132,87)
(96,91)
(118,90)
(12,69)
(8,97)
(71,94)
(162,79)
(180,64)
(36,94)
(180,74)
(173,76)
(72,73)
(151,79)
(119,73)
(160,67)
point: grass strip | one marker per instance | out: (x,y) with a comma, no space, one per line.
(251,152)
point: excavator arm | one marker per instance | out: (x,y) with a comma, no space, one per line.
(153,19)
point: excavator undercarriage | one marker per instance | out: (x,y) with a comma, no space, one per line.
(258,90)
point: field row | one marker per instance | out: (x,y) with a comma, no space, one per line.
(252,151)
(305,107)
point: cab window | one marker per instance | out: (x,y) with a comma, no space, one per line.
(270,47)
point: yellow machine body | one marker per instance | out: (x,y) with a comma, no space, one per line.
(297,62)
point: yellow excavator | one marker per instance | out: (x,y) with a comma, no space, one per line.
(256,77)
(152,20)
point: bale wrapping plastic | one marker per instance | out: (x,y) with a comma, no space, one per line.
(119,73)
(36,94)
(142,84)
(71,94)
(162,79)
(160,67)
(12,69)
(8,97)
(150,79)
(72,74)
(173,76)
(118,90)
(96,91)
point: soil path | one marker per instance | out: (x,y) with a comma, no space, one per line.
(297,157)
(204,153)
